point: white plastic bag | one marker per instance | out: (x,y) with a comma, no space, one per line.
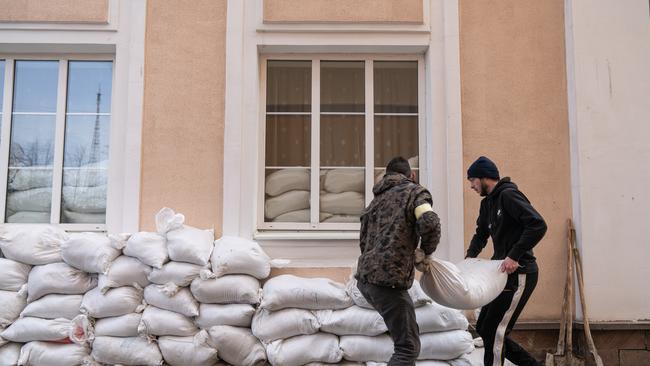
(181,301)
(118,326)
(160,322)
(33,244)
(179,273)
(191,245)
(11,304)
(90,252)
(288,291)
(167,220)
(9,354)
(350,321)
(231,289)
(54,306)
(125,271)
(471,284)
(126,351)
(13,275)
(271,325)
(53,354)
(58,278)
(115,302)
(149,248)
(236,315)
(300,350)
(437,318)
(237,346)
(188,351)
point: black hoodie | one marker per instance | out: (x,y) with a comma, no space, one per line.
(514,225)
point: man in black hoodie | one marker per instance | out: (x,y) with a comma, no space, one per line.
(516,227)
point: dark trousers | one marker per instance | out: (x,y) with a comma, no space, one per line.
(498,317)
(396,307)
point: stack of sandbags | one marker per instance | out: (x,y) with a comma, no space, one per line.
(342,195)
(29,194)
(84,193)
(287,196)
(443,331)
(286,324)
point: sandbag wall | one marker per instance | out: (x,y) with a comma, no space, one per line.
(176,297)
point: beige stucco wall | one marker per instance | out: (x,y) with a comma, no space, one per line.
(73,11)
(358,11)
(611,153)
(514,110)
(183,121)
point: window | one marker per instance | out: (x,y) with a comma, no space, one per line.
(57,115)
(330,127)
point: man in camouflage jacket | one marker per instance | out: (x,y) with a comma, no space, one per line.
(398,217)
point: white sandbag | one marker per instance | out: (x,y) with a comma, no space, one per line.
(84,199)
(346,203)
(300,216)
(237,346)
(437,318)
(150,248)
(230,289)
(233,255)
(161,322)
(471,284)
(118,326)
(288,291)
(300,350)
(25,179)
(125,271)
(286,202)
(36,329)
(72,217)
(344,218)
(53,354)
(344,180)
(54,306)
(271,325)
(13,275)
(236,315)
(58,278)
(286,180)
(35,199)
(191,245)
(28,217)
(12,303)
(91,175)
(90,252)
(350,321)
(179,273)
(115,302)
(181,301)
(9,354)
(33,244)
(188,351)
(416,293)
(126,351)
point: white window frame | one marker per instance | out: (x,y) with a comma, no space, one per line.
(315,225)
(59,132)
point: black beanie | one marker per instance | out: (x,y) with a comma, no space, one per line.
(483,168)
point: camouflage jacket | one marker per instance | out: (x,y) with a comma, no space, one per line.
(390,232)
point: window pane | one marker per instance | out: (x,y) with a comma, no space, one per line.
(288,86)
(342,195)
(342,85)
(2,83)
(35,86)
(29,183)
(288,140)
(287,195)
(342,140)
(395,136)
(85,164)
(87,79)
(396,86)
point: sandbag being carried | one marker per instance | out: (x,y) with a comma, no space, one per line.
(437,318)
(286,180)
(233,255)
(271,325)
(471,284)
(300,350)
(11,304)
(54,306)
(149,248)
(237,346)
(350,321)
(118,326)
(53,354)
(33,244)
(58,278)
(179,273)
(286,202)
(13,275)
(188,351)
(178,300)
(162,322)
(90,252)
(230,289)
(288,291)
(9,354)
(236,315)
(125,271)
(126,351)
(115,302)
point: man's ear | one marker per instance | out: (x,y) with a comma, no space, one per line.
(412,175)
